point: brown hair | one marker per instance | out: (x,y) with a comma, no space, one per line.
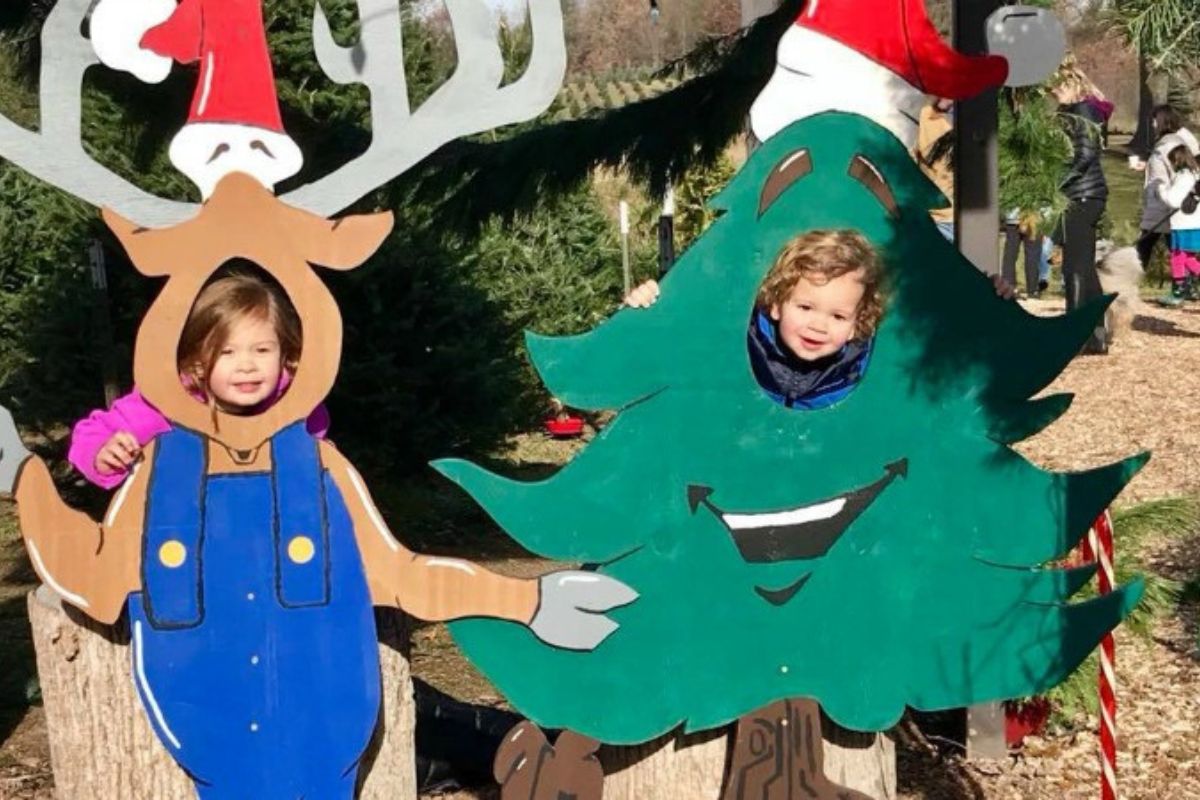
(236,292)
(1166,120)
(825,255)
(1181,158)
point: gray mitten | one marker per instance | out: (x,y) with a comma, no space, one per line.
(571,605)
(12,452)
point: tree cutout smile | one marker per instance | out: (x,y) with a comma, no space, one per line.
(793,534)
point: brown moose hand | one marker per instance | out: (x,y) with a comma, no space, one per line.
(778,754)
(528,767)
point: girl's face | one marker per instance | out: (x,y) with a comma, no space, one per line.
(818,318)
(248,367)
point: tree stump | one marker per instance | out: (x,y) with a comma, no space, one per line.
(693,767)
(102,746)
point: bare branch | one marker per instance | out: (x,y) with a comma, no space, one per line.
(470,102)
(55,152)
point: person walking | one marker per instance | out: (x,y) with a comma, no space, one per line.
(1085,112)
(1168,128)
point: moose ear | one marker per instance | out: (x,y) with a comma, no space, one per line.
(347,242)
(152,250)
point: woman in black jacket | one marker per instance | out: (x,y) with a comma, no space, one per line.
(1085,113)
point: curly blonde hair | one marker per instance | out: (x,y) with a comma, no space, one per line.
(820,256)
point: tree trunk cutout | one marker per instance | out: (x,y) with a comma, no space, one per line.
(778,754)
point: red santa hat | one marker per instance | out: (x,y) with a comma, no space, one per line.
(878,58)
(899,35)
(234,123)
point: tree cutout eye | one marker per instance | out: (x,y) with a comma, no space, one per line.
(791,169)
(869,176)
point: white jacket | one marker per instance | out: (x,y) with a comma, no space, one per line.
(1158,177)
(1174,194)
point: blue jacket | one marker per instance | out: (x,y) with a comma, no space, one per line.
(803,384)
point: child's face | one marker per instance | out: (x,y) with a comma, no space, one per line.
(248,367)
(819,318)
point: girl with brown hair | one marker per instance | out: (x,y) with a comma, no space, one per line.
(238,352)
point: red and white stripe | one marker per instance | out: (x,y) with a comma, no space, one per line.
(1098,546)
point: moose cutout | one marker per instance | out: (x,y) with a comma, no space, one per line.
(247,555)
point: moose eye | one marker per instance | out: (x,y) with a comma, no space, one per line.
(869,176)
(790,169)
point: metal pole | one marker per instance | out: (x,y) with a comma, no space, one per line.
(976,152)
(976,232)
(624,215)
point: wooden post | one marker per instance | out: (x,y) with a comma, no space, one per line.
(693,767)
(101,745)
(626,270)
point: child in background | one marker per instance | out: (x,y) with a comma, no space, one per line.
(1180,194)
(814,319)
(238,350)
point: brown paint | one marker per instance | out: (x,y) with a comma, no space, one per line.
(97,566)
(433,589)
(242,219)
(778,754)
(528,767)
(76,554)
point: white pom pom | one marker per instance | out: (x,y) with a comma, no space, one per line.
(1031,38)
(116,29)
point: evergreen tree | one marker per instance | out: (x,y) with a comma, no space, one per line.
(904,555)
(1035,152)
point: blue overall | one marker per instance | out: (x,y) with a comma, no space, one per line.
(254,642)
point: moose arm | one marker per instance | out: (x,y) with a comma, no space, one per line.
(427,587)
(93,565)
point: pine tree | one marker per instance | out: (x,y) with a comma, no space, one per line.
(1035,152)
(920,577)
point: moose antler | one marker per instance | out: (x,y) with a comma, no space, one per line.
(469,102)
(55,152)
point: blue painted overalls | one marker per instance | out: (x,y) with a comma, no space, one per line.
(254,643)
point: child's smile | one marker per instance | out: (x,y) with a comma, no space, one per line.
(818,319)
(248,367)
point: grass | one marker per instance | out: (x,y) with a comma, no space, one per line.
(1132,528)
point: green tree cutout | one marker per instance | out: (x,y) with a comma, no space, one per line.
(915,570)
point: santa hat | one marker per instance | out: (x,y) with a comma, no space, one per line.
(234,123)
(878,58)
(897,34)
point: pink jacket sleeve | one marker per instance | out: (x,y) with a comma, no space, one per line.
(130,413)
(133,413)
(317,423)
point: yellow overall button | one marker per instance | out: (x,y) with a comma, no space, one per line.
(301,549)
(172,554)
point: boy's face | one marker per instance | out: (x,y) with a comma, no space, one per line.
(819,317)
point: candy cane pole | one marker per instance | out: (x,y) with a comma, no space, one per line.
(1099,547)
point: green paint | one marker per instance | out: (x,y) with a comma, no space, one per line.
(933,597)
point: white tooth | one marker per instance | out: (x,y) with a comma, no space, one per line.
(796,516)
